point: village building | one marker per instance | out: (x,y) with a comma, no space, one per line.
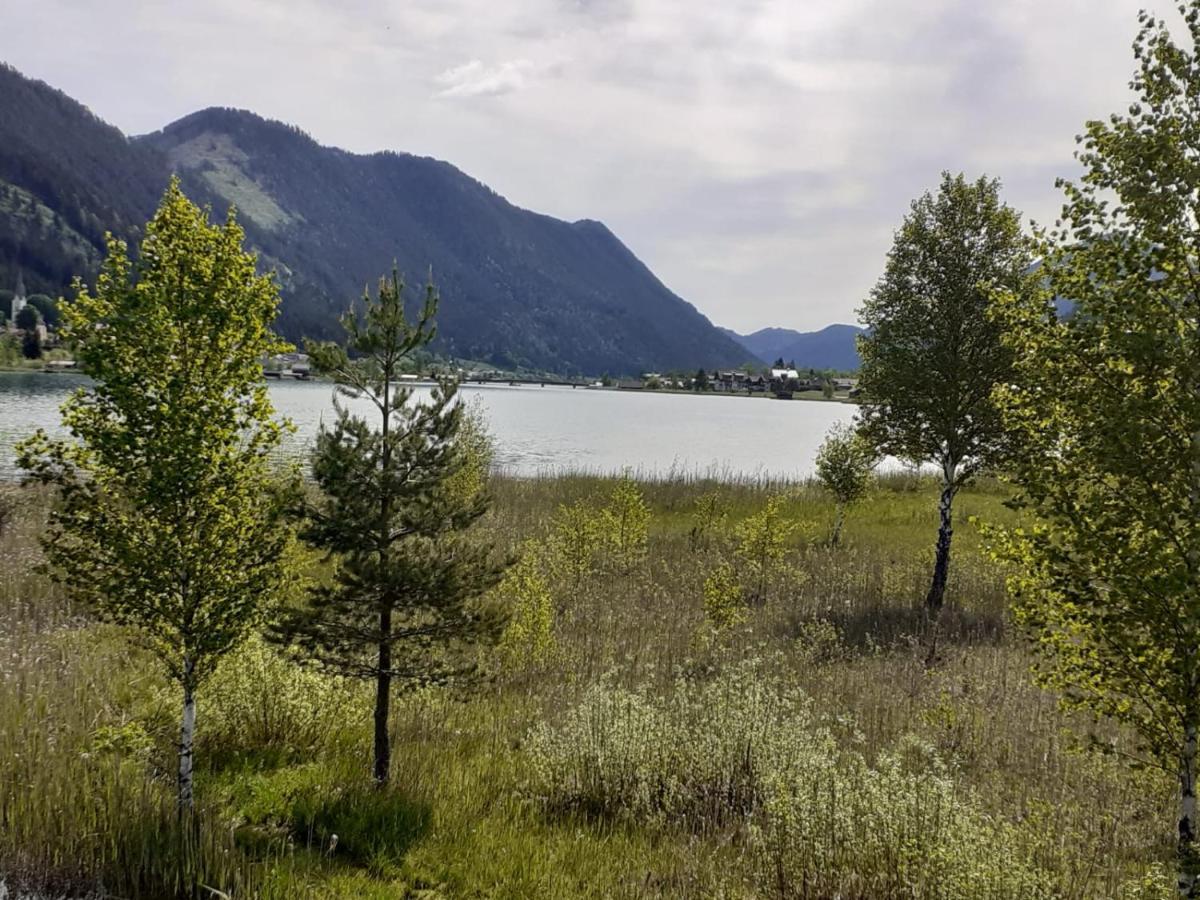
(19,301)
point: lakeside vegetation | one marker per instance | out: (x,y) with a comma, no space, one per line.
(629,749)
(595,687)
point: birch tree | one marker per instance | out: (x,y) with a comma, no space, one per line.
(931,356)
(168,521)
(1106,411)
(845,463)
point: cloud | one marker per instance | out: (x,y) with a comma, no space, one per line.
(474,79)
(756,154)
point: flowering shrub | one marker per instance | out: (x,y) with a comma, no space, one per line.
(696,755)
(746,749)
(899,828)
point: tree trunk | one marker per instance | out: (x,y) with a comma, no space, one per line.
(941,567)
(837,525)
(187,735)
(383,697)
(1187,857)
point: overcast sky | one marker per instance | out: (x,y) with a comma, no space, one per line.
(756,154)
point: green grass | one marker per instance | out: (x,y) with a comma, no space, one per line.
(87,724)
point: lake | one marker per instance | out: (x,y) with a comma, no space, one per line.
(542,431)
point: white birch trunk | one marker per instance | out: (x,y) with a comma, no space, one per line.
(1189,865)
(187,735)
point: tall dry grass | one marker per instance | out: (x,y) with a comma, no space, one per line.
(86,732)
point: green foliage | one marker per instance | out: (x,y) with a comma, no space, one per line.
(577,531)
(397,501)
(745,748)
(763,540)
(724,608)
(10,351)
(47,308)
(528,640)
(846,461)
(1106,408)
(28,318)
(168,520)
(31,343)
(625,519)
(331,811)
(258,700)
(85,726)
(710,511)
(932,355)
(697,756)
(478,452)
(902,827)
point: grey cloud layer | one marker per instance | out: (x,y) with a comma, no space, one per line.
(757,154)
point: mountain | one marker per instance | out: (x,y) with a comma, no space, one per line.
(65,178)
(833,347)
(518,288)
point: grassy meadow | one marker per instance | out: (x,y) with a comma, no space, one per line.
(650,727)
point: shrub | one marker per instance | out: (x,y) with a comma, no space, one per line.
(762,544)
(723,607)
(478,450)
(900,828)
(626,523)
(744,749)
(257,699)
(528,640)
(708,518)
(695,756)
(845,462)
(576,533)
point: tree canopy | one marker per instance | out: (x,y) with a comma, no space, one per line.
(1105,409)
(168,520)
(931,355)
(397,497)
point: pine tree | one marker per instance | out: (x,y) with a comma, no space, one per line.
(401,609)
(168,520)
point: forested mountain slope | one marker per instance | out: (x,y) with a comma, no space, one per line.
(518,288)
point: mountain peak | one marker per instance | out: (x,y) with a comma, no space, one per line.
(832,347)
(518,288)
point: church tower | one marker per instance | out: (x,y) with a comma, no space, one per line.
(18,300)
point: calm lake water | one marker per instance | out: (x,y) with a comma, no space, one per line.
(541,431)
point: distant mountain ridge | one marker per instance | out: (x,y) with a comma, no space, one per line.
(833,347)
(518,288)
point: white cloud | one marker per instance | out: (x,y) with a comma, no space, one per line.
(474,79)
